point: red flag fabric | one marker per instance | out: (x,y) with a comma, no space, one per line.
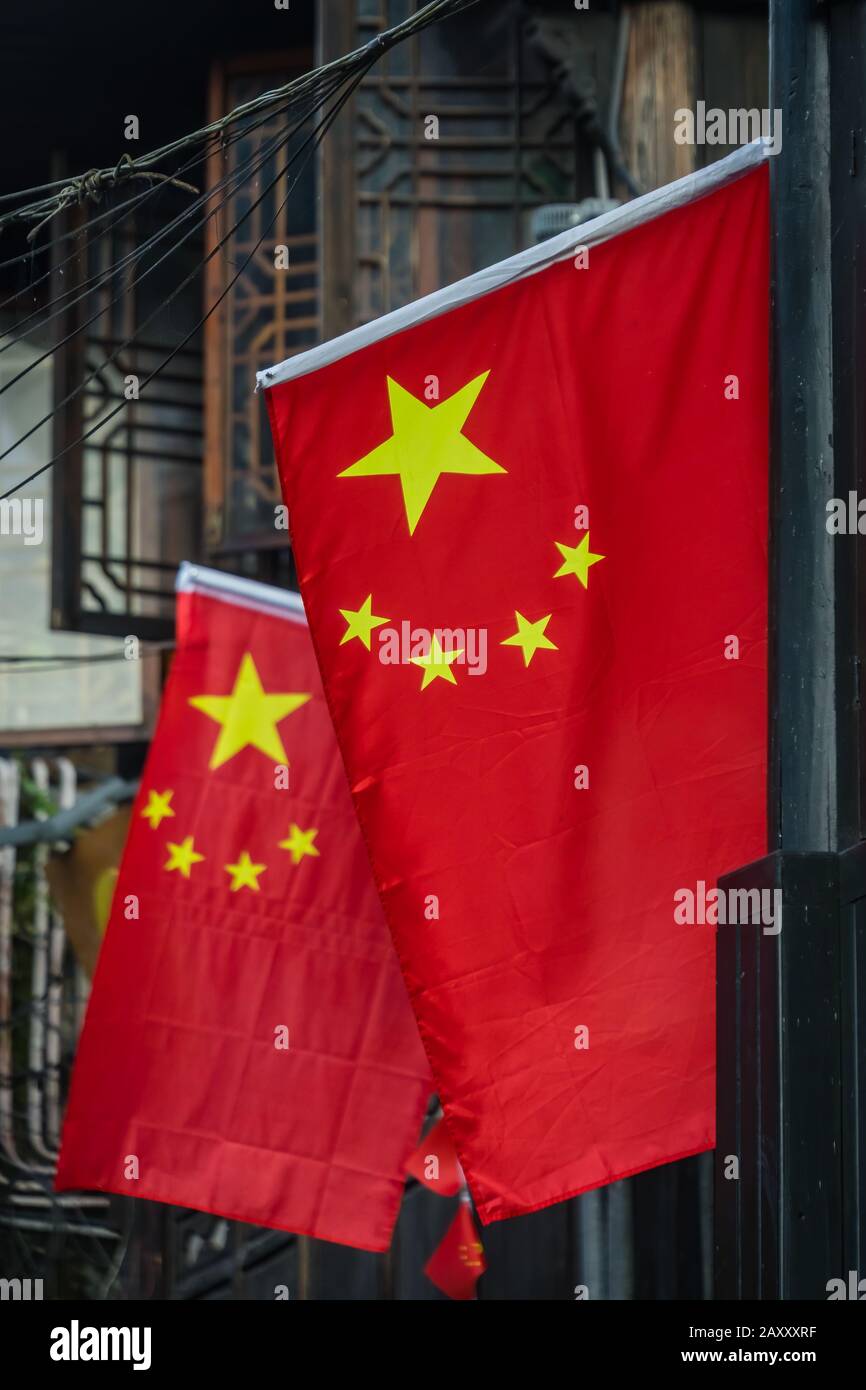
(458,1262)
(249,1049)
(435,1162)
(530,528)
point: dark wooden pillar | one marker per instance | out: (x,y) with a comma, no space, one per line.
(790,1109)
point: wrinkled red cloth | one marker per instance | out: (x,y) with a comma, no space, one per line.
(252,1049)
(586,532)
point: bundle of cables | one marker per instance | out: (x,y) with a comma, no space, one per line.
(304,110)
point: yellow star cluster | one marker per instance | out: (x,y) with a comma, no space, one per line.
(427,441)
(248,718)
(244,873)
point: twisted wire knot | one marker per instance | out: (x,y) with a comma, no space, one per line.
(90,186)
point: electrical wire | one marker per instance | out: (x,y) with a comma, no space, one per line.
(358,64)
(23,665)
(94,181)
(316,138)
(119,211)
(233,181)
(319,84)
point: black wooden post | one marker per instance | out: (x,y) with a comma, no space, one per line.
(790,1098)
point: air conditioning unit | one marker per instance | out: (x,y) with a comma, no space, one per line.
(553,218)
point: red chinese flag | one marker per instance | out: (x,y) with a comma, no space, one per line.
(249,1048)
(435,1162)
(529,518)
(458,1262)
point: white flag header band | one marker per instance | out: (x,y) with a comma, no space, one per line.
(234,588)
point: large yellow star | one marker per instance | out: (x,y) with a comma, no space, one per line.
(530,637)
(436,663)
(577,559)
(361,623)
(299,843)
(248,716)
(245,873)
(426,443)
(183,856)
(157,808)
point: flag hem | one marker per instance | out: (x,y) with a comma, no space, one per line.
(270,1225)
(487,1218)
(529,262)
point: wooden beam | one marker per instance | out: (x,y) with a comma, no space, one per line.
(337,35)
(661,76)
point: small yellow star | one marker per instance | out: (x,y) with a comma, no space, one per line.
(245,873)
(157,808)
(299,843)
(436,663)
(361,623)
(577,559)
(530,637)
(183,856)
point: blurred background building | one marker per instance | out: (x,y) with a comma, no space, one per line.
(546,116)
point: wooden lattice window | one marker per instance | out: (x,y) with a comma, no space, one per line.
(127,496)
(406,213)
(271,312)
